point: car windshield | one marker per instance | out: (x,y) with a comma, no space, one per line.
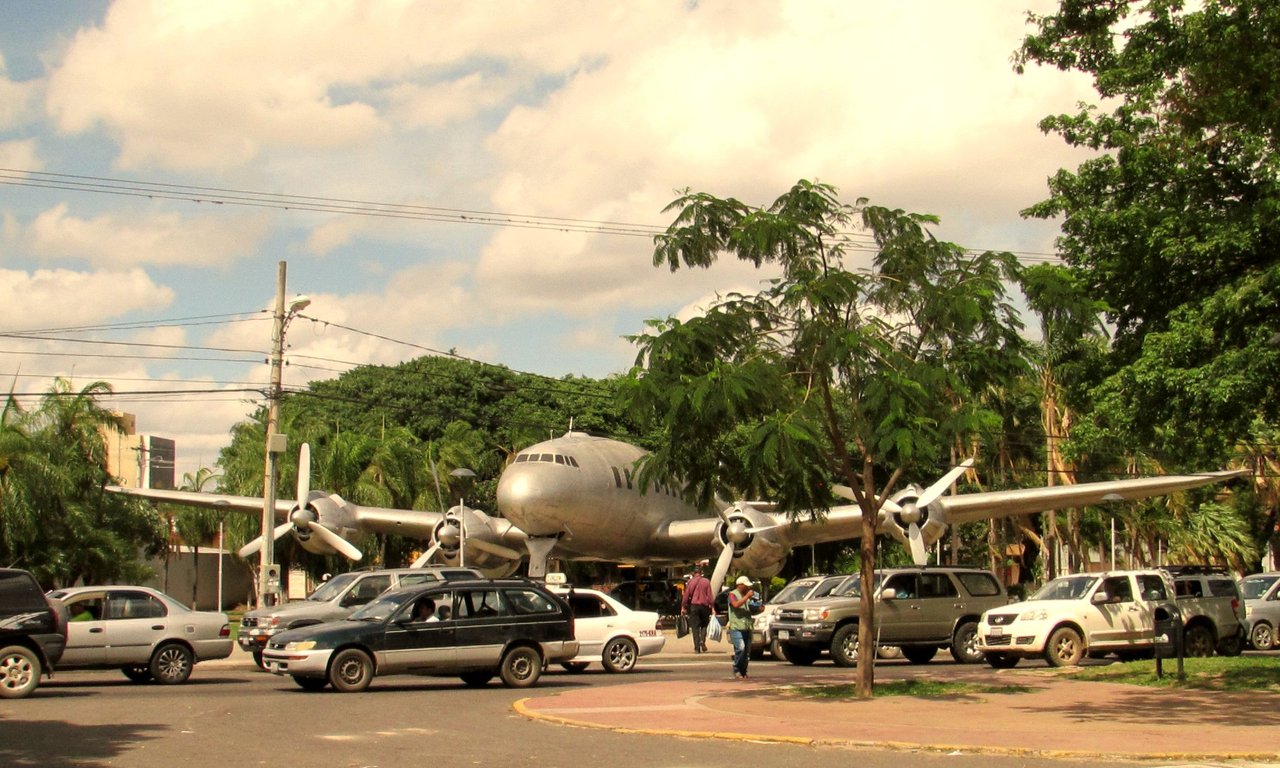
(382,608)
(1255,588)
(791,592)
(1065,588)
(332,588)
(852,586)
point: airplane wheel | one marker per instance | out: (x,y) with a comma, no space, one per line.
(351,671)
(1065,648)
(920,654)
(575,667)
(620,655)
(171,664)
(310,683)
(521,667)
(800,655)
(138,673)
(19,672)
(476,679)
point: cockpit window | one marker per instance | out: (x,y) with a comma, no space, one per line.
(547,458)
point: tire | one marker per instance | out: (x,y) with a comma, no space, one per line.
(138,673)
(777,651)
(919,654)
(1197,641)
(801,655)
(310,683)
(573,667)
(620,655)
(888,652)
(964,644)
(257,659)
(1065,648)
(521,667)
(476,679)
(19,672)
(1261,636)
(1231,646)
(1002,660)
(171,664)
(844,646)
(350,671)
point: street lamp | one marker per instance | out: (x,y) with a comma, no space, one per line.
(1113,497)
(461,473)
(268,574)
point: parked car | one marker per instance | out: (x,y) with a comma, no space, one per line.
(476,630)
(803,588)
(1087,614)
(336,599)
(662,596)
(1261,594)
(918,609)
(33,634)
(141,631)
(609,632)
(1213,619)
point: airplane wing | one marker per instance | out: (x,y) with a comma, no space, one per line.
(218,501)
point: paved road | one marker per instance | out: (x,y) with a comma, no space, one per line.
(230,715)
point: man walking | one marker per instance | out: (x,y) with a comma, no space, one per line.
(740,625)
(697,604)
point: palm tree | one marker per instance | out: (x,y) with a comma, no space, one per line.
(196,525)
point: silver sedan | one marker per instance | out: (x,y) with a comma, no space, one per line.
(143,632)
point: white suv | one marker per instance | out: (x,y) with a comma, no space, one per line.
(1074,616)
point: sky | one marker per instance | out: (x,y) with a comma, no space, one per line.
(481,177)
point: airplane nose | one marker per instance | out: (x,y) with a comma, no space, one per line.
(530,504)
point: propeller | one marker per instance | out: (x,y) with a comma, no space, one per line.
(256,544)
(909,514)
(734,532)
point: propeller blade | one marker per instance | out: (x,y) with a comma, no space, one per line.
(337,542)
(932,493)
(722,568)
(919,554)
(844,492)
(493,549)
(256,544)
(425,558)
(304,474)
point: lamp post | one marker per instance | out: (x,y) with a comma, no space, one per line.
(268,577)
(462,473)
(1113,497)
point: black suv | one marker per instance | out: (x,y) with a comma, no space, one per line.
(474,629)
(919,608)
(33,634)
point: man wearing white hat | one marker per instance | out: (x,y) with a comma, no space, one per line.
(740,625)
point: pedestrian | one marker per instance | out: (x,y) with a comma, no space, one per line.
(697,604)
(740,625)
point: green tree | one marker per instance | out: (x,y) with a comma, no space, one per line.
(194,525)
(1173,222)
(829,372)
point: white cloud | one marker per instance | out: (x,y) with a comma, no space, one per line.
(61,297)
(20,154)
(120,240)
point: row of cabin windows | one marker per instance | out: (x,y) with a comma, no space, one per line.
(624,477)
(550,458)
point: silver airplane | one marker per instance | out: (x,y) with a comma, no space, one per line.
(576,497)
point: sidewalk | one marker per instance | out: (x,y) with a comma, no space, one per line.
(1054,716)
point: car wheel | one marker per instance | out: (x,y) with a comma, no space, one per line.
(777,651)
(576,667)
(844,646)
(476,679)
(1261,637)
(888,652)
(19,672)
(1065,648)
(171,664)
(138,673)
(1197,641)
(919,654)
(1231,646)
(522,666)
(1002,660)
(351,671)
(620,655)
(964,644)
(310,683)
(800,655)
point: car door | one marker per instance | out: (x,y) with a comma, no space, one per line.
(482,620)
(1117,619)
(898,618)
(136,621)
(592,622)
(86,630)
(421,646)
(939,602)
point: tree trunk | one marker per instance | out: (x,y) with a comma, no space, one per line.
(867,606)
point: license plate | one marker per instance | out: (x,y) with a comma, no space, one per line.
(783,634)
(997,631)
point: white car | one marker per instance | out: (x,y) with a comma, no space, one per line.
(1073,616)
(609,632)
(142,632)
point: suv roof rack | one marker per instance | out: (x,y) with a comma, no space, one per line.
(1179,570)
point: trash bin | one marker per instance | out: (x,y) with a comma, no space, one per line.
(1168,621)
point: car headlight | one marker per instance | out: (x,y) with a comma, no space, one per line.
(1036,614)
(272,621)
(300,645)
(815,614)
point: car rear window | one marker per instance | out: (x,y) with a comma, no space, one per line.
(1222,588)
(979,584)
(19,592)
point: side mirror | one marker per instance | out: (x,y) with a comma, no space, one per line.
(1100,598)
(888,594)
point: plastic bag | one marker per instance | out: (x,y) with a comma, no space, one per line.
(714,630)
(682,625)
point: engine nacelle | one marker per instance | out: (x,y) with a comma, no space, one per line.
(327,511)
(759,553)
(467,537)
